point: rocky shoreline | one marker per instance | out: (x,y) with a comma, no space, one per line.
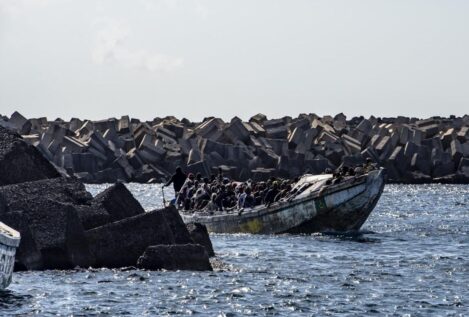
(432,150)
(62,226)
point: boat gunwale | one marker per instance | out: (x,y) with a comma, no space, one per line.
(279,206)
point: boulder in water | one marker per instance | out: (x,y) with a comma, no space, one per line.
(21,162)
(199,235)
(192,257)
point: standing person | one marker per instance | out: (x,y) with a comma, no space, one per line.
(178,179)
(271,193)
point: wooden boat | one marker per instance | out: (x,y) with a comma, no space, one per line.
(9,242)
(325,205)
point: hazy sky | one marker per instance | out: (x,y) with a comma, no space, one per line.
(195,58)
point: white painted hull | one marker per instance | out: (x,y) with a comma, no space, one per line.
(9,242)
(322,208)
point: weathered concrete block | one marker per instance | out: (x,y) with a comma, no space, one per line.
(353,160)
(121,243)
(166,135)
(210,129)
(447,137)
(365,126)
(208,146)
(124,164)
(370,153)
(176,127)
(384,146)
(326,136)
(73,144)
(21,162)
(191,257)
(123,125)
(456,151)
(65,190)
(149,172)
(274,123)
(75,124)
(194,156)
(295,137)
(352,144)
(398,161)
(151,152)
(92,215)
(199,167)
(463,167)
(262,174)
(134,159)
(103,125)
(405,134)
(317,165)
(421,164)
(23,126)
(433,143)
(268,157)
(118,202)
(463,134)
(236,131)
(140,131)
(58,234)
(410,149)
(280,132)
(442,163)
(258,129)
(28,256)
(303,123)
(430,130)
(81,162)
(258,118)
(85,131)
(176,224)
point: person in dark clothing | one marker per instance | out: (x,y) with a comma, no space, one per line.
(178,179)
(270,196)
(249,200)
(221,196)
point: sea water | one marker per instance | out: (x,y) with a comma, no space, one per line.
(411,258)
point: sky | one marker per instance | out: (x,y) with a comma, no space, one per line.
(197,58)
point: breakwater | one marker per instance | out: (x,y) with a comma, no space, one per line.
(413,150)
(63,226)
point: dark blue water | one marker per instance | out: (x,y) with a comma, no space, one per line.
(412,259)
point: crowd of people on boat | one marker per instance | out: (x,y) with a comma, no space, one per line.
(220,193)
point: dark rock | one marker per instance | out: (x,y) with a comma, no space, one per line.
(28,256)
(21,162)
(176,224)
(92,216)
(258,118)
(118,202)
(199,235)
(22,125)
(25,195)
(58,234)
(121,243)
(175,257)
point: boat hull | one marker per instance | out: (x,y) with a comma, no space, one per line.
(335,208)
(9,242)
